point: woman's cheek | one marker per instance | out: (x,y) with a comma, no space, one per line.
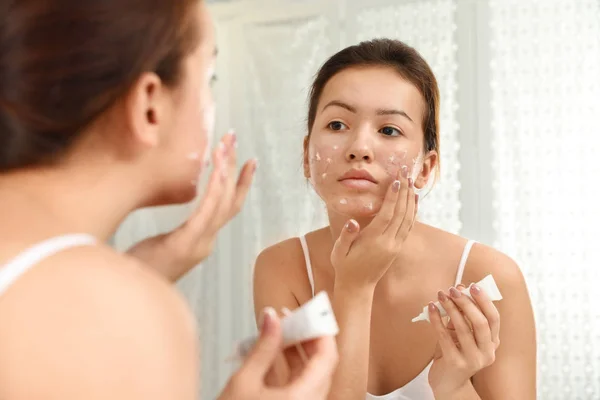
(401,163)
(208,117)
(321,160)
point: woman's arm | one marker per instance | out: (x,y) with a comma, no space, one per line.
(353,312)
(513,374)
(272,271)
(352,308)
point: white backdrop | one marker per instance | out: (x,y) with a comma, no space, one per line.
(519,84)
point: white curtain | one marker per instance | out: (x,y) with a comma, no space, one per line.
(545,90)
(519,81)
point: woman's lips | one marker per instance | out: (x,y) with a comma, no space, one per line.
(361,184)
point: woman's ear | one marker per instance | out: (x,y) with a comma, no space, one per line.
(305,160)
(430,162)
(145,111)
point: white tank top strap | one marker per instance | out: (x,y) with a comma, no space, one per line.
(309,270)
(15,268)
(463,261)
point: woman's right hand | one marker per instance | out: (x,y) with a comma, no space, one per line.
(362,257)
(311,377)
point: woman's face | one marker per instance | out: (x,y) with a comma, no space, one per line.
(367,131)
(189,128)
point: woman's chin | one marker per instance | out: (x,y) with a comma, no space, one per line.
(357,211)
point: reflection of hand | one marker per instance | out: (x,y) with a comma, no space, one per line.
(469,342)
(362,258)
(173,254)
(310,377)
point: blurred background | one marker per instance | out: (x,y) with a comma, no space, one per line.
(520,85)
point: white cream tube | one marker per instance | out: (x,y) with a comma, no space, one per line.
(313,320)
(487,285)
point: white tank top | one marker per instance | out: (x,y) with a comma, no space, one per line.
(418,388)
(14,269)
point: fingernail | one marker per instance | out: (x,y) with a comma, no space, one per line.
(234,140)
(475,289)
(455,293)
(417,199)
(432,306)
(442,297)
(222,148)
(460,286)
(396,186)
(255,165)
(404,170)
(266,318)
(410,183)
(351,226)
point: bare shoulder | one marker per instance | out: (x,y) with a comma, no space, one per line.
(482,260)
(280,276)
(98,324)
(485,260)
(282,263)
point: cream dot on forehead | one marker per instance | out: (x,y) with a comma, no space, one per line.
(335,147)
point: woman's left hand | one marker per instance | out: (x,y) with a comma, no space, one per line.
(174,253)
(467,345)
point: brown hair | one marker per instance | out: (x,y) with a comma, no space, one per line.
(387,53)
(65,62)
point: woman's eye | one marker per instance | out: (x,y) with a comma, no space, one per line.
(337,126)
(390,131)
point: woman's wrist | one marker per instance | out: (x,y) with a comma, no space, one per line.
(361,290)
(466,391)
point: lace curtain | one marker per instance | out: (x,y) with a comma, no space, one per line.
(545,87)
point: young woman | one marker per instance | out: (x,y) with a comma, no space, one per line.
(104,108)
(373,140)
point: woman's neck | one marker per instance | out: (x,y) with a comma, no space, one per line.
(90,199)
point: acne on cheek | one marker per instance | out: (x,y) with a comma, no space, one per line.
(399,163)
(320,160)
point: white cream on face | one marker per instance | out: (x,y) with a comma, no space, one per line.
(327,162)
(209,127)
(209,115)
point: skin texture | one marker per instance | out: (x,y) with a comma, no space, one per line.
(379,281)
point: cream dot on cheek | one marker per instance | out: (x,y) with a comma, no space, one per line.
(343,201)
